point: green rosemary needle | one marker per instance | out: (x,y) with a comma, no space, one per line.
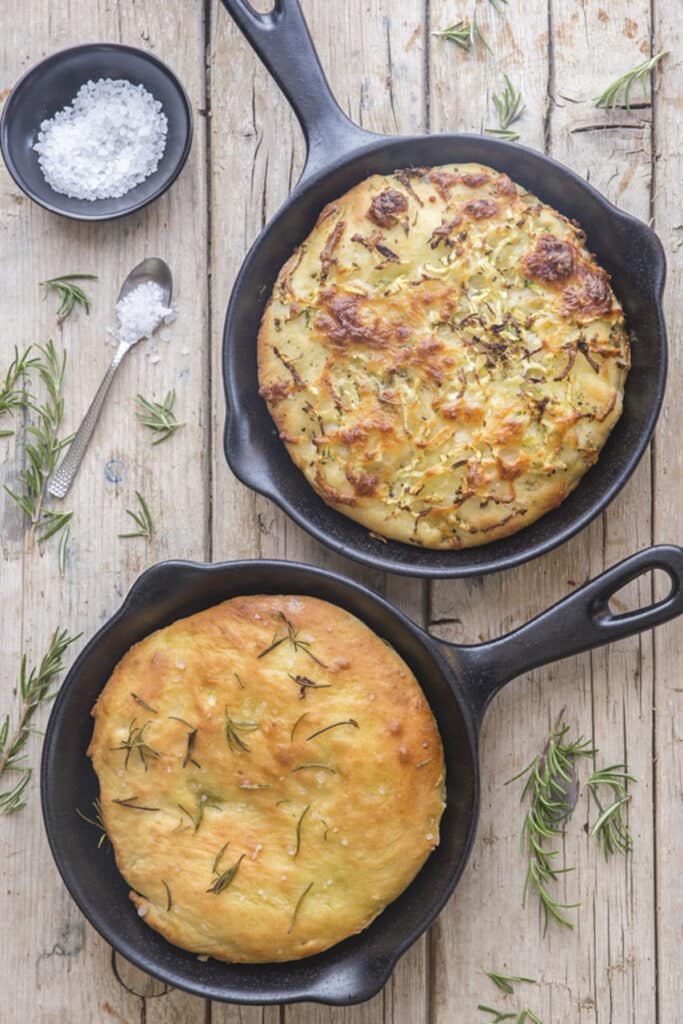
(497,1015)
(233,730)
(298,828)
(142,519)
(197,816)
(135,741)
(35,688)
(610,828)
(129,802)
(218,857)
(143,703)
(504,981)
(97,821)
(465,34)
(42,445)
(159,417)
(69,293)
(335,725)
(293,729)
(169,901)
(509,107)
(297,908)
(314,765)
(620,89)
(227,878)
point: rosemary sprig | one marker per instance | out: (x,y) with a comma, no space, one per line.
(552,786)
(142,519)
(129,802)
(335,725)
(97,821)
(504,981)
(218,857)
(13,393)
(35,688)
(227,878)
(298,828)
(43,445)
(305,683)
(509,107)
(233,730)
(63,549)
(297,908)
(169,901)
(610,828)
(292,636)
(197,816)
(497,1015)
(69,293)
(621,87)
(191,740)
(465,34)
(135,741)
(158,416)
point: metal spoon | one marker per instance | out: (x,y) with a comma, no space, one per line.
(151,269)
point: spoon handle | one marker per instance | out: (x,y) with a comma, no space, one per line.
(61,480)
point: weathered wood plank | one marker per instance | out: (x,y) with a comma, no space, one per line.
(668,486)
(585,972)
(57,969)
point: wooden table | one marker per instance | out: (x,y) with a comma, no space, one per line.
(622,961)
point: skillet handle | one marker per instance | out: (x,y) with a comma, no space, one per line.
(577,623)
(282,41)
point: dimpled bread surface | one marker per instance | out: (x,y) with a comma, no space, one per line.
(442,356)
(271,777)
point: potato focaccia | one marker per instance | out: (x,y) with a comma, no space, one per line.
(271,777)
(442,356)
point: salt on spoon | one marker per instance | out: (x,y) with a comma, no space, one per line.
(144,303)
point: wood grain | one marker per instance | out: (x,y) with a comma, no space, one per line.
(391,74)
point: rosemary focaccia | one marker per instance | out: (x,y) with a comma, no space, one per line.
(442,356)
(271,777)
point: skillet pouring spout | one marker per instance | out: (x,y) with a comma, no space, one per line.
(577,623)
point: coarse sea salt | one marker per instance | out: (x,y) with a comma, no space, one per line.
(106,142)
(140,312)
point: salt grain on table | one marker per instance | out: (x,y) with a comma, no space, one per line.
(110,139)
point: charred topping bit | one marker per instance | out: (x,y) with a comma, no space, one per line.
(481,209)
(476,179)
(277,390)
(385,208)
(327,254)
(388,253)
(550,261)
(591,296)
(444,231)
(363,484)
(143,703)
(306,683)
(135,741)
(227,878)
(289,365)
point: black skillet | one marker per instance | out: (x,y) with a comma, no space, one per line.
(458,682)
(340,154)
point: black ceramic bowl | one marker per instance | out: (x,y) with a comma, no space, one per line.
(53,84)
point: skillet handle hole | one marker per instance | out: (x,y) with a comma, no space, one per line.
(657,585)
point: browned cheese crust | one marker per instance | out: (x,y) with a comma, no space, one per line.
(271,777)
(442,356)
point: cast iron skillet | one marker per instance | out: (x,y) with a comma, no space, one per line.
(340,154)
(458,682)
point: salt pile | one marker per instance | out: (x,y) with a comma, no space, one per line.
(140,312)
(108,140)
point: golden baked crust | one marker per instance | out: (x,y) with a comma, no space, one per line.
(286,729)
(442,356)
